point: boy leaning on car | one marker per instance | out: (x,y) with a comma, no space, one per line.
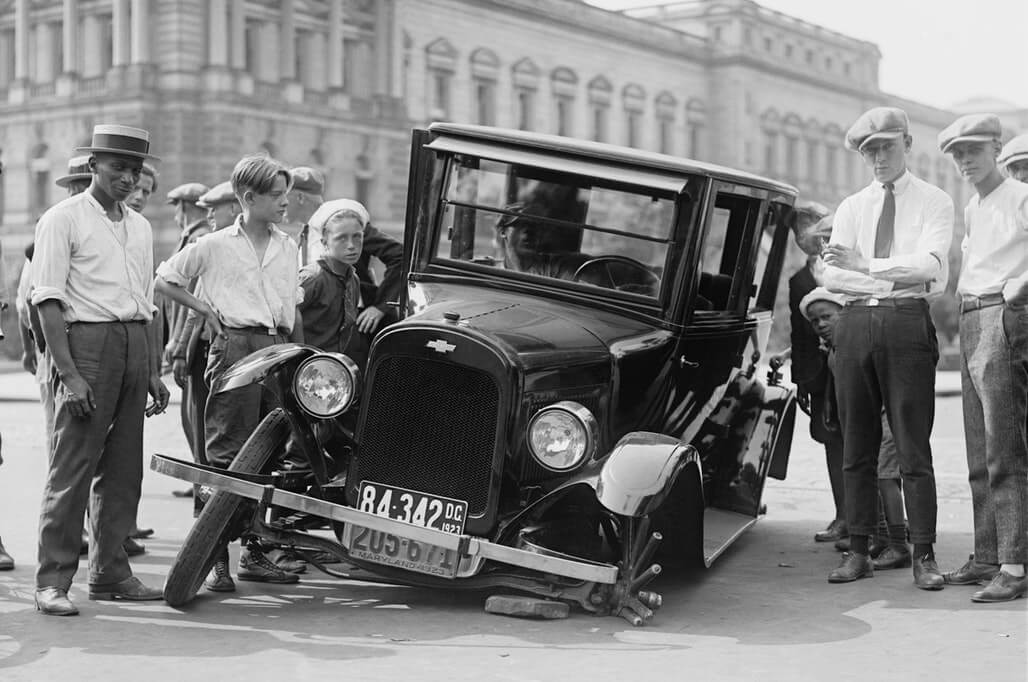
(249,301)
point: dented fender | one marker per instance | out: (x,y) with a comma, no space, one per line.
(256,366)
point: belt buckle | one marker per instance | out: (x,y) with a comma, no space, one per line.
(872,302)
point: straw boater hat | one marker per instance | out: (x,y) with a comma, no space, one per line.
(119,139)
(78,171)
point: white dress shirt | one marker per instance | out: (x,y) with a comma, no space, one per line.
(244,291)
(918,264)
(97,269)
(995,242)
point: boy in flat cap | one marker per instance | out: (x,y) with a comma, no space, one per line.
(993,360)
(1014,158)
(888,253)
(248,298)
(92,282)
(375,298)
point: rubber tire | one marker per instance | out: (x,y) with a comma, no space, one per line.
(217,524)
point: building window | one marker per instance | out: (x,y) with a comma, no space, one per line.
(600,115)
(812,169)
(788,51)
(441,59)
(564,83)
(600,90)
(39,168)
(771,154)
(632,128)
(828,64)
(485,102)
(846,68)
(107,40)
(792,147)
(525,109)
(809,56)
(717,34)
(696,118)
(768,44)
(634,102)
(666,106)
(747,36)
(251,39)
(300,41)
(831,159)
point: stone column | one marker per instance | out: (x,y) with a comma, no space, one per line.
(21,39)
(335,44)
(140,38)
(70,36)
(121,35)
(217,33)
(238,38)
(92,36)
(269,51)
(287,42)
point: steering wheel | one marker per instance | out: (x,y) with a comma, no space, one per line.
(619,273)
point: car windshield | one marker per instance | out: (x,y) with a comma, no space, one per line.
(555,225)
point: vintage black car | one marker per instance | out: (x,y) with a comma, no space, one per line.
(574,380)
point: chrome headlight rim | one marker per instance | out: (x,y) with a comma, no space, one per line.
(348,365)
(580,414)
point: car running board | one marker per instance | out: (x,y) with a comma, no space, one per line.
(720,529)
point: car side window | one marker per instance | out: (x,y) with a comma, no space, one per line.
(721,261)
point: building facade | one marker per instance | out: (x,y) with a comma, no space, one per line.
(338,84)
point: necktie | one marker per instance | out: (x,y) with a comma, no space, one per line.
(886,223)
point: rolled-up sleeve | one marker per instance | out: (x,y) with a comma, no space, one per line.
(182,267)
(932,246)
(52,258)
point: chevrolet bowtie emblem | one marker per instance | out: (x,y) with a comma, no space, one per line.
(440,346)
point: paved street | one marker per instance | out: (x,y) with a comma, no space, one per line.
(764,611)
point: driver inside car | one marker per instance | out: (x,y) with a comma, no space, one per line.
(527,244)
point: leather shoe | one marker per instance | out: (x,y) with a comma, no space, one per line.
(140,533)
(1004,587)
(971,573)
(926,574)
(842,544)
(255,567)
(133,547)
(289,562)
(53,601)
(853,567)
(836,530)
(6,560)
(187,492)
(878,545)
(893,556)
(129,589)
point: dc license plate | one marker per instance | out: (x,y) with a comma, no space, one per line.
(410,506)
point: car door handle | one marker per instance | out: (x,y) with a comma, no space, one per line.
(686,363)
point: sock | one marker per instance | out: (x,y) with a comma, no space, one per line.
(924,550)
(858,544)
(1016,570)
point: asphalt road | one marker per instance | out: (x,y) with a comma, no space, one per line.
(763,612)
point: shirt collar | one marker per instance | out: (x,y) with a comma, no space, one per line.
(237,227)
(90,199)
(337,268)
(899,185)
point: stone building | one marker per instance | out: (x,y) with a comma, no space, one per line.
(338,84)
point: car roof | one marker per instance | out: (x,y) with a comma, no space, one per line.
(608,153)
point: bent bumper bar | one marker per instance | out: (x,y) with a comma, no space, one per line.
(465,545)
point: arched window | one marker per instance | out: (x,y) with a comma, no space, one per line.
(634,98)
(599,90)
(665,106)
(39,168)
(441,61)
(525,75)
(696,119)
(771,126)
(485,67)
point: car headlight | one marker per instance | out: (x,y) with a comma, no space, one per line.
(562,435)
(325,385)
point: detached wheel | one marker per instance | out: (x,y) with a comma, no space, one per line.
(218,523)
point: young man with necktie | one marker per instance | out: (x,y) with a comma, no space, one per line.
(888,255)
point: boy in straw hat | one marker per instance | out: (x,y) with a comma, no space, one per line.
(1014,158)
(993,360)
(93,285)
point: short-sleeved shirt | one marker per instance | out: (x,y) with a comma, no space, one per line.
(329,307)
(99,270)
(995,242)
(244,291)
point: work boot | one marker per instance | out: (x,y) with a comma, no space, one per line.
(288,560)
(6,560)
(219,579)
(255,567)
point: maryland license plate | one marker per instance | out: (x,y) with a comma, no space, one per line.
(410,506)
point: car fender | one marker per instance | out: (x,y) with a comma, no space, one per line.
(256,366)
(637,475)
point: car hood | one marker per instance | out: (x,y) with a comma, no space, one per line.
(539,331)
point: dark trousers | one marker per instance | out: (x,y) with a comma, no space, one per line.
(885,356)
(194,402)
(230,417)
(96,460)
(832,440)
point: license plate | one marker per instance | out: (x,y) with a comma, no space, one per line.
(410,506)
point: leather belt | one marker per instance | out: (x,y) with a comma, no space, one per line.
(264,331)
(969,303)
(872,302)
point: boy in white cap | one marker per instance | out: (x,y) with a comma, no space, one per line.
(993,360)
(1014,158)
(248,297)
(888,253)
(93,286)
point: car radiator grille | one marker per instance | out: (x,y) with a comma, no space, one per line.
(431,426)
